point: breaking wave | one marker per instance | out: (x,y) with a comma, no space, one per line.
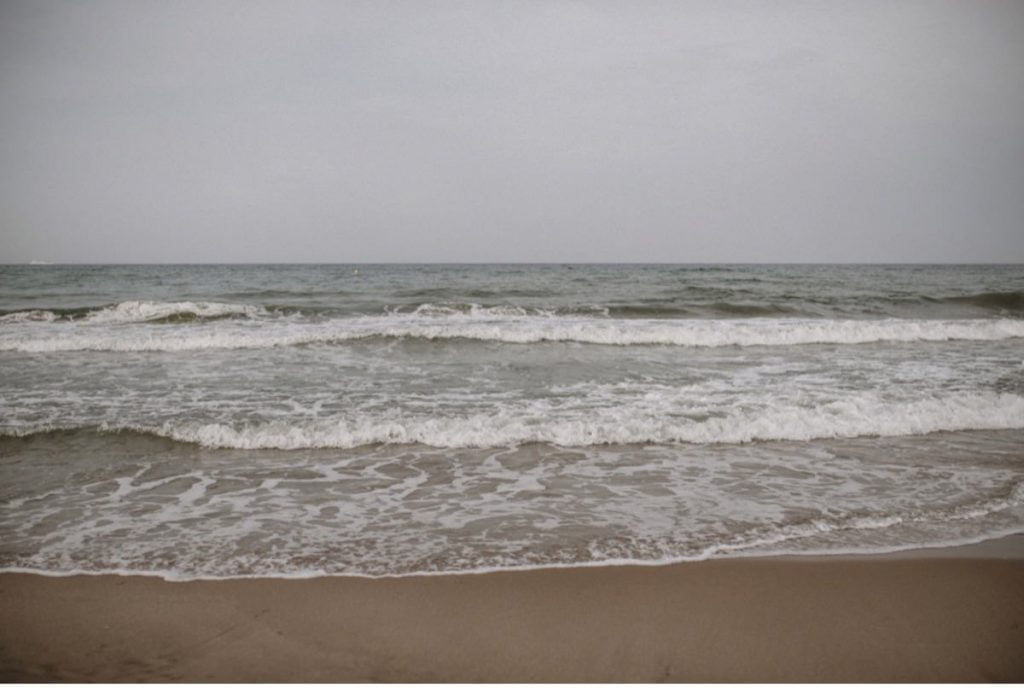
(138,312)
(662,421)
(486,325)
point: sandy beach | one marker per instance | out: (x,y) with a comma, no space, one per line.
(935,615)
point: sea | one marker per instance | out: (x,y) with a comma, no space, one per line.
(224,421)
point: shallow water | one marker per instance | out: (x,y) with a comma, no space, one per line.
(209,421)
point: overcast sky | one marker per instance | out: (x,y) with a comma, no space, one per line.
(511,131)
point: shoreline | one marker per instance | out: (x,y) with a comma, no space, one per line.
(918,615)
(1009,546)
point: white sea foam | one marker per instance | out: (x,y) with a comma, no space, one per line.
(29,316)
(511,329)
(143,311)
(419,511)
(472,310)
(780,540)
(651,435)
(128,312)
(648,422)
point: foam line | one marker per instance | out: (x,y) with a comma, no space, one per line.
(41,338)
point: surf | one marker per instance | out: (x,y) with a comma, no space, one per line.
(487,326)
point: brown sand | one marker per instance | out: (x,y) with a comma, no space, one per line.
(850,619)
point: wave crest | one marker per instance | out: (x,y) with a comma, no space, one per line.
(658,422)
(152,311)
(1003,301)
(509,329)
(138,312)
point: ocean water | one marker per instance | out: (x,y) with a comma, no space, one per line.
(296,420)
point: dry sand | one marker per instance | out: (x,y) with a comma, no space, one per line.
(923,618)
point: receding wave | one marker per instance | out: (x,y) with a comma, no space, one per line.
(511,327)
(138,312)
(628,424)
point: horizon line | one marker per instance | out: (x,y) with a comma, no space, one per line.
(37,263)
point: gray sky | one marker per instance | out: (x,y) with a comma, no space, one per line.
(511,131)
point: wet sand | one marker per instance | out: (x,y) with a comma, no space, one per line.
(924,617)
